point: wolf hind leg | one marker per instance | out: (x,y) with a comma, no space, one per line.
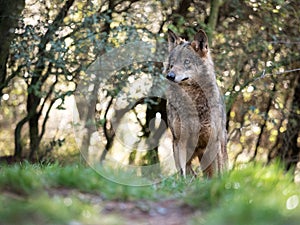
(189,169)
(207,170)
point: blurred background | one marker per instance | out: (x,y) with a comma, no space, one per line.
(47,48)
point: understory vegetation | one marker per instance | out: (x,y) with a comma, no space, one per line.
(72,194)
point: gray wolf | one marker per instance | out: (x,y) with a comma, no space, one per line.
(195,109)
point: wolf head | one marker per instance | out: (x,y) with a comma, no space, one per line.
(186,57)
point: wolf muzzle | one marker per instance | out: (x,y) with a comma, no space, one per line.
(171,76)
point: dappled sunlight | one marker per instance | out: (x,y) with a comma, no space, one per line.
(84,135)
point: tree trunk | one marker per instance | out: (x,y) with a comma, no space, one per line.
(18,143)
(33,118)
(34,90)
(9,15)
(93,101)
(89,125)
(34,137)
(213,18)
(33,101)
(264,125)
(153,138)
(289,150)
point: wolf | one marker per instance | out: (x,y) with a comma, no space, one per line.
(195,110)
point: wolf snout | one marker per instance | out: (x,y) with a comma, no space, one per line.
(171,76)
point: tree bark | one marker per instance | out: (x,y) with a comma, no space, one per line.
(89,126)
(289,150)
(213,18)
(151,156)
(18,136)
(9,14)
(92,105)
(33,102)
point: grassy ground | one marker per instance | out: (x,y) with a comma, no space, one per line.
(72,194)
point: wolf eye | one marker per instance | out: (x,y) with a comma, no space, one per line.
(186,62)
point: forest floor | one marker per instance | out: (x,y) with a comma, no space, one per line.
(168,212)
(77,195)
(134,212)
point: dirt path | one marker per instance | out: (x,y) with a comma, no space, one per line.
(141,212)
(166,212)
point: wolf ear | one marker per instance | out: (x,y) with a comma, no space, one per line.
(200,43)
(173,40)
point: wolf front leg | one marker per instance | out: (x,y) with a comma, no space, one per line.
(179,157)
(176,155)
(183,156)
(182,160)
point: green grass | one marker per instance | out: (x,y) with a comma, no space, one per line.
(43,210)
(25,192)
(27,179)
(251,194)
(21,179)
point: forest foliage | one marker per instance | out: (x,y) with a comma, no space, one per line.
(83,80)
(49,46)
